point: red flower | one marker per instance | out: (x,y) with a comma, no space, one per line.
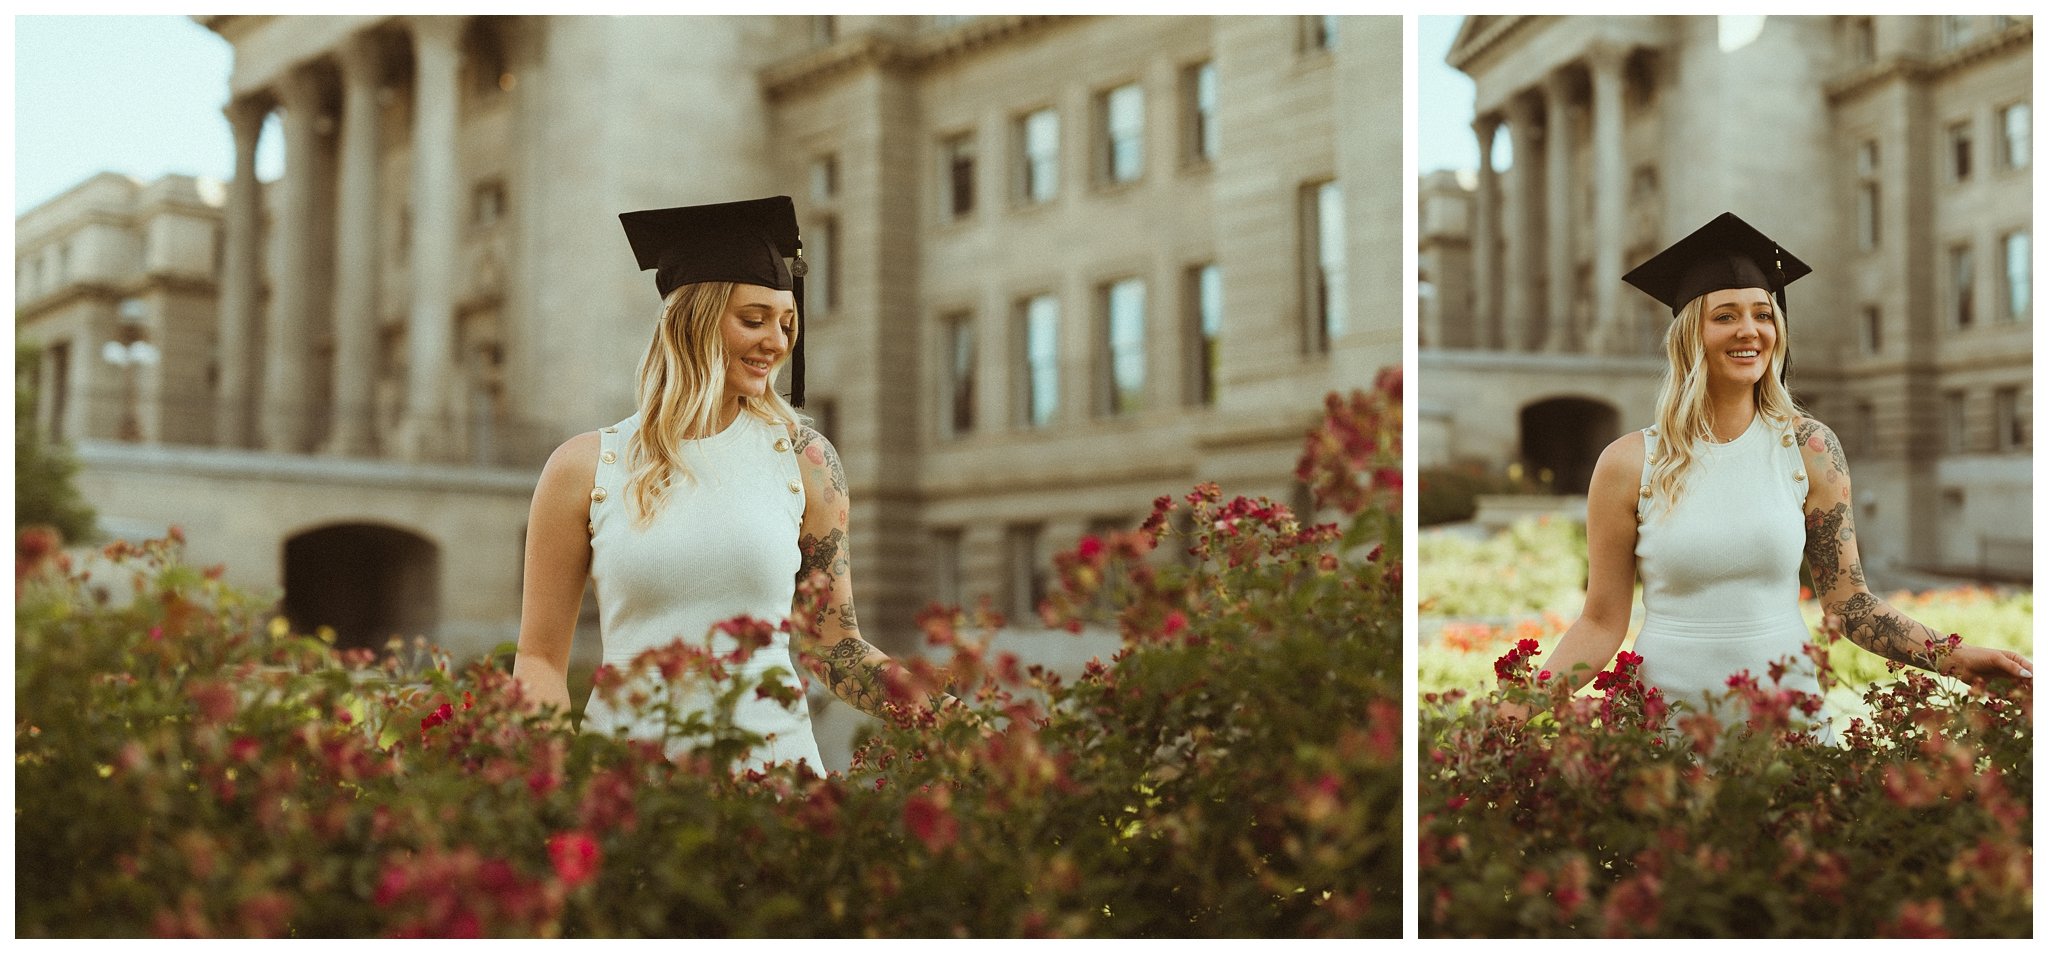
(437,717)
(1176,621)
(930,822)
(1091,549)
(575,856)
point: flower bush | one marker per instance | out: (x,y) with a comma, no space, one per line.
(186,766)
(1619,813)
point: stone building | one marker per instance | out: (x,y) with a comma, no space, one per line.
(1891,153)
(1060,266)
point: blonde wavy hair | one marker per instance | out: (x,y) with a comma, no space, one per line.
(682,386)
(1682,419)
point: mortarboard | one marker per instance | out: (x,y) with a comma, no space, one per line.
(744,242)
(1724,253)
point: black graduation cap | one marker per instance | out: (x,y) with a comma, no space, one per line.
(743,242)
(1722,254)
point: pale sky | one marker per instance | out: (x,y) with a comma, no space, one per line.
(1443,101)
(140,95)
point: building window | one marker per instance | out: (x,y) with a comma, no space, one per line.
(1863,40)
(1122,133)
(60,388)
(2012,429)
(822,254)
(956,170)
(1023,545)
(1953,421)
(1869,227)
(1039,398)
(1038,141)
(1318,33)
(1873,329)
(2016,136)
(1959,152)
(1961,283)
(2016,276)
(1322,218)
(825,177)
(487,204)
(824,30)
(1198,113)
(958,415)
(1955,31)
(1205,332)
(1865,423)
(946,565)
(1123,384)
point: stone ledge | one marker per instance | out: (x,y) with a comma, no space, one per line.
(107,456)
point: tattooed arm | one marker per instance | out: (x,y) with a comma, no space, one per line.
(1837,568)
(853,668)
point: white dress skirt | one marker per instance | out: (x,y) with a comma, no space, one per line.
(1720,569)
(723,545)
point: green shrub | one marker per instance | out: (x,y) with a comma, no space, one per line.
(184,768)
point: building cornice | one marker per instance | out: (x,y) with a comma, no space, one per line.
(1918,69)
(1485,38)
(876,51)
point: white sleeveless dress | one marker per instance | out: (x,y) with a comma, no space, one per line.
(1720,570)
(724,544)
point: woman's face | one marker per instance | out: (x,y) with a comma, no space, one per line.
(758,325)
(1740,334)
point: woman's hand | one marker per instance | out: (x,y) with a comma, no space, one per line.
(1978,664)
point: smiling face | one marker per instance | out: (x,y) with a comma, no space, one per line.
(758,326)
(1740,336)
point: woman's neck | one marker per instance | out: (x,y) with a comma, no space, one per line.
(727,413)
(1729,412)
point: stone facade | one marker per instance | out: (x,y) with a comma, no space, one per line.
(393,335)
(1888,152)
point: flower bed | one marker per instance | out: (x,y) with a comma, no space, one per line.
(186,767)
(1595,820)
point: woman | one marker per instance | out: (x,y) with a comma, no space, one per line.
(1718,501)
(712,500)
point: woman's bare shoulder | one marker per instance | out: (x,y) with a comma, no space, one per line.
(573,464)
(1624,452)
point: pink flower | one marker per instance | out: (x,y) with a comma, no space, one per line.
(1091,549)
(1176,621)
(575,856)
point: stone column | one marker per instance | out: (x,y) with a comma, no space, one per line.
(1485,264)
(427,428)
(241,270)
(1610,185)
(286,409)
(355,283)
(1522,245)
(1557,213)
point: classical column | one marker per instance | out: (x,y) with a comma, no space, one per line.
(427,428)
(1522,244)
(355,282)
(241,268)
(1557,213)
(1610,182)
(1485,264)
(287,344)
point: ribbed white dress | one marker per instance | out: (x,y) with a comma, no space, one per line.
(1720,570)
(724,544)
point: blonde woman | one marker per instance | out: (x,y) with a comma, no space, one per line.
(1716,504)
(713,499)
